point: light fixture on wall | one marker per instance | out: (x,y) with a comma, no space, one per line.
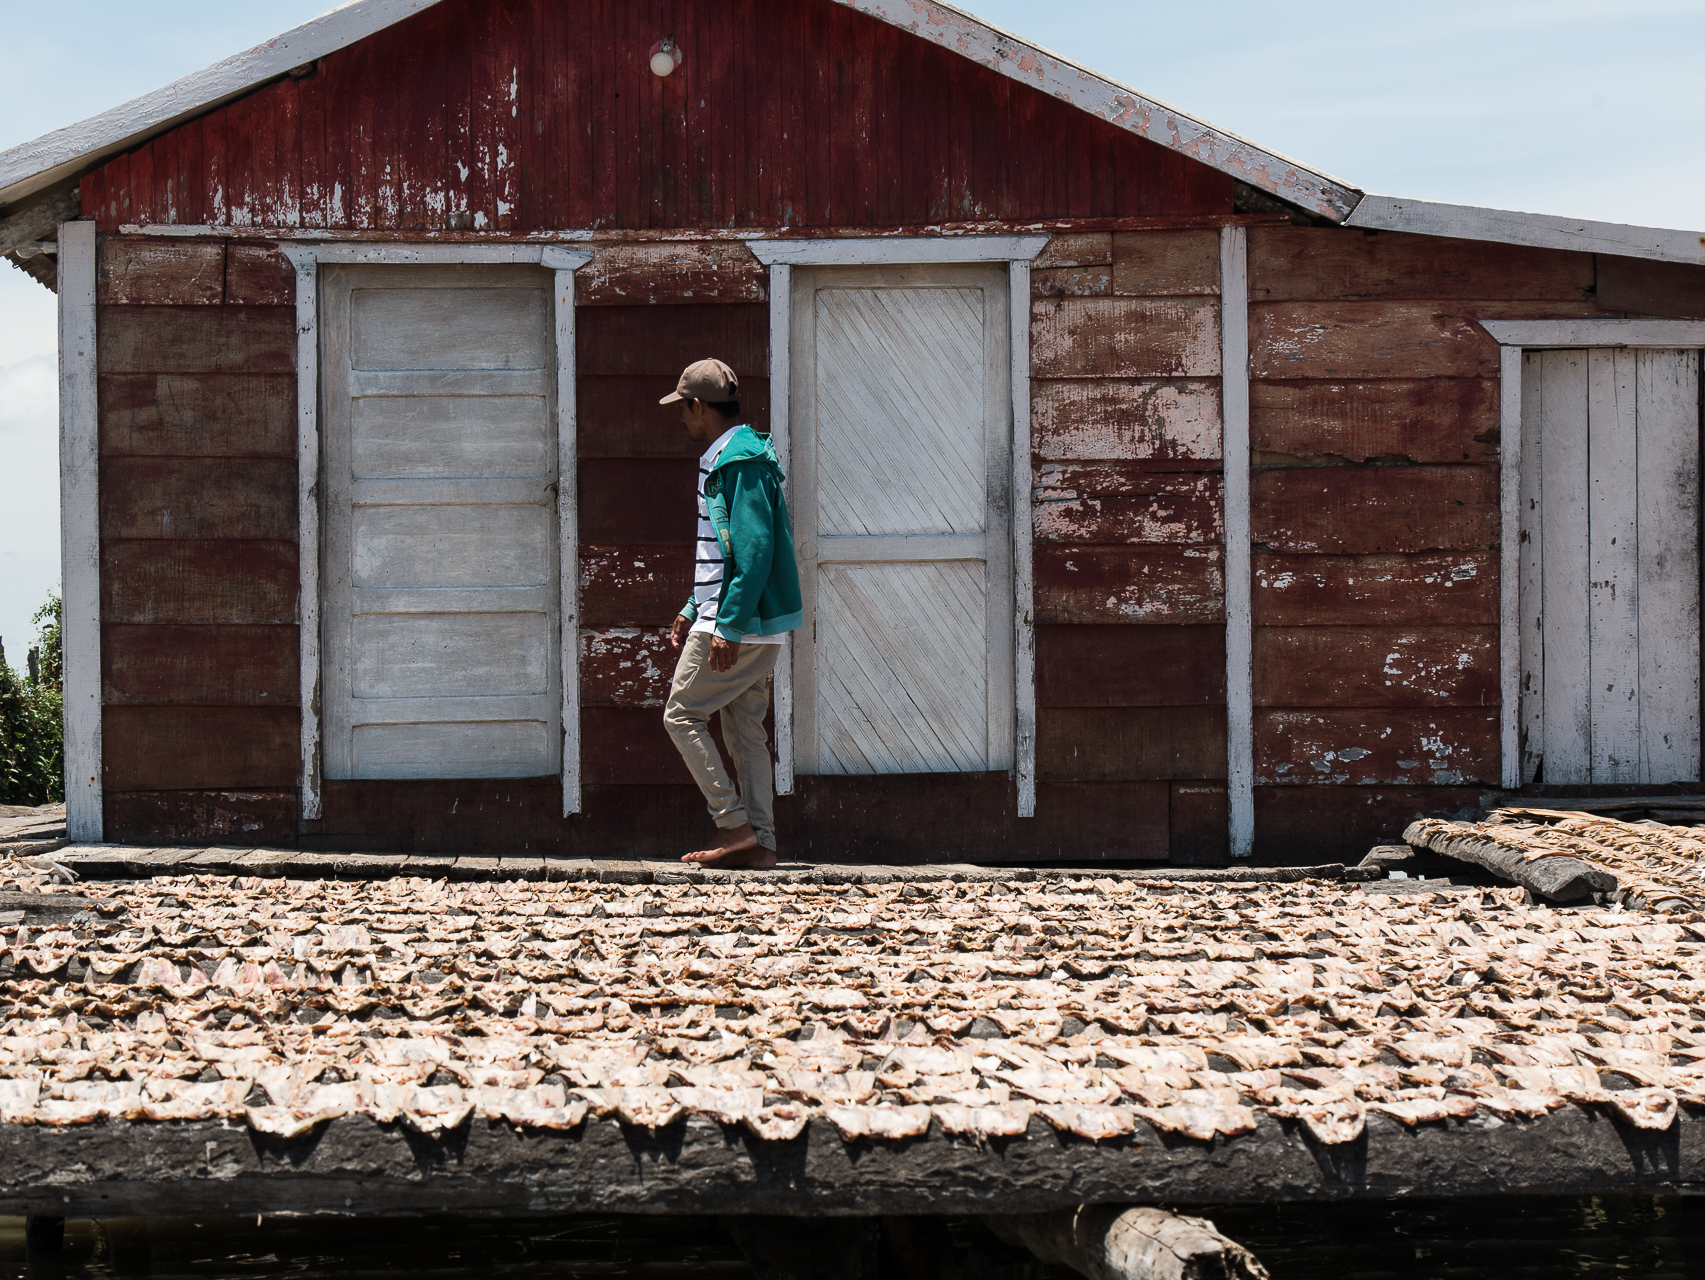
(665,56)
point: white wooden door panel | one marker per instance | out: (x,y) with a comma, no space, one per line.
(433,545)
(901,491)
(442,602)
(1667,405)
(1610,566)
(1568,718)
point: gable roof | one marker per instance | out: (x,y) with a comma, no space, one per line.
(55,158)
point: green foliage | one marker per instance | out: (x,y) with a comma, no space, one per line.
(32,742)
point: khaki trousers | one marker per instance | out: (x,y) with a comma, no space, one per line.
(741,696)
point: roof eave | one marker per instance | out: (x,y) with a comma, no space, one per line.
(1535,230)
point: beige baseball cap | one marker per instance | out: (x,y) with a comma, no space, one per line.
(707,380)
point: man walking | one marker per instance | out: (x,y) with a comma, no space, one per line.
(745,599)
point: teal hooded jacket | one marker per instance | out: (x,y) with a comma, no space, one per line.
(760,578)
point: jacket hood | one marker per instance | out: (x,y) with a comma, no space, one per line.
(747,446)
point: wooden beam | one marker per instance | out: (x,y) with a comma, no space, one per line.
(781,384)
(1509,561)
(1023,573)
(1538,230)
(568,533)
(79,525)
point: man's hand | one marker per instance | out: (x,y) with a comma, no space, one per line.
(678,631)
(723,653)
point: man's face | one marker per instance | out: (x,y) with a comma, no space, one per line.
(702,422)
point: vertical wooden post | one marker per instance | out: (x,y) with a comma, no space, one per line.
(1239,622)
(781,384)
(1023,577)
(1509,562)
(308,518)
(568,532)
(79,530)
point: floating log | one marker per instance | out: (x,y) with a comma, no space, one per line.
(1553,878)
(1110,1242)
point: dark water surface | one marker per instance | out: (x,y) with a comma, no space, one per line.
(1510,1238)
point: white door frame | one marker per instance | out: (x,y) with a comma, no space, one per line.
(307,258)
(781,256)
(1514,337)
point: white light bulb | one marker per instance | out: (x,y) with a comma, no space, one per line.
(662,62)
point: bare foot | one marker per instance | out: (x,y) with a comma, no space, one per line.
(737,847)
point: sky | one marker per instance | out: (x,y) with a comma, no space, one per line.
(1553,106)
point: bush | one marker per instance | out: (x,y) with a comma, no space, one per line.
(32,733)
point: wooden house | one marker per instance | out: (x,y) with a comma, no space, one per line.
(1157,496)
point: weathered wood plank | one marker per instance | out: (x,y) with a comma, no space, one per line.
(1130,666)
(264,818)
(634,585)
(198,415)
(664,272)
(638,500)
(910,818)
(625,666)
(1200,826)
(1129,744)
(198,498)
(1332,262)
(1301,825)
(1076,249)
(1651,288)
(1126,418)
(161,272)
(199,665)
(1430,589)
(194,582)
(1421,419)
(206,339)
(619,417)
(1613,570)
(661,341)
(195,748)
(1564,546)
(1124,337)
(1146,584)
(1110,503)
(1071,282)
(1376,666)
(1339,510)
(258,275)
(1393,746)
(628,746)
(1166,263)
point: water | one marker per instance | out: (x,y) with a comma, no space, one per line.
(1510,1238)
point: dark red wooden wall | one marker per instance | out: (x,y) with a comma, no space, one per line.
(514,115)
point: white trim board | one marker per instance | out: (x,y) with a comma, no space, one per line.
(1537,230)
(1239,603)
(307,259)
(80,531)
(1533,334)
(1513,337)
(882,251)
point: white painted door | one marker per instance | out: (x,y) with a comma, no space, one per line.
(901,492)
(1610,566)
(440,573)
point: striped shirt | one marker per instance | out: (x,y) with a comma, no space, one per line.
(707,566)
